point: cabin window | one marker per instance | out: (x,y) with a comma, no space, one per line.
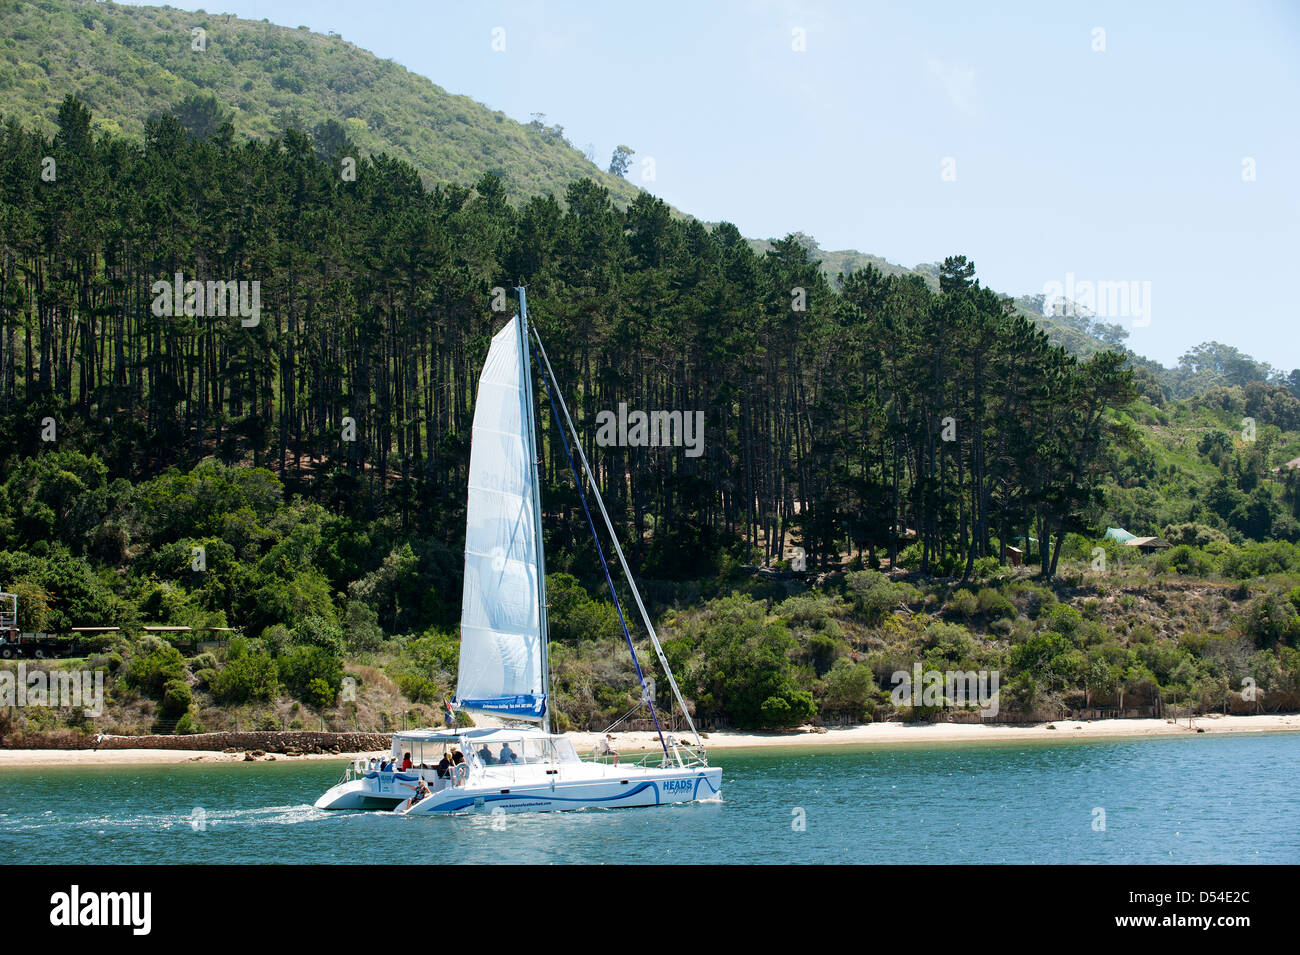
(535,751)
(564,751)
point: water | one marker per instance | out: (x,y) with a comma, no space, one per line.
(1197,800)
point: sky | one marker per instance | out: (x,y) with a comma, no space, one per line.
(1154,147)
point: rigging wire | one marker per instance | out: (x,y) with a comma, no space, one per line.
(600,552)
(627,572)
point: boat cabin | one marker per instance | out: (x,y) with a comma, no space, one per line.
(483,747)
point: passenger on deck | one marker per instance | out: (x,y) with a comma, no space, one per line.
(406,761)
(458,770)
(485,756)
(605,747)
(421,790)
(444,767)
(507,754)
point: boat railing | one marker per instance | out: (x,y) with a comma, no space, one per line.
(677,756)
(360,768)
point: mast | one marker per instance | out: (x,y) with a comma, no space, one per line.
(530,445)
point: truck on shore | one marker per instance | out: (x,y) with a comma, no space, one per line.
(17,644)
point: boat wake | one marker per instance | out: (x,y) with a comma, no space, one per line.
(197,819)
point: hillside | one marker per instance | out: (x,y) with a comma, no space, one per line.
(130,63)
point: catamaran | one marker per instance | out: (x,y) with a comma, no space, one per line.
(503,671)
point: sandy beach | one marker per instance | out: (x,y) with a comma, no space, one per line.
(886,734)
(874,734)
(36,758)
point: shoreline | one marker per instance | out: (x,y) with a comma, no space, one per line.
(895,734)
(640,742)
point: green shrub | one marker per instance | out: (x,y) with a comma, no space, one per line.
(111,662)
(1064,619)
(1255,559)
(993,605)
(417,688)
(150,671)
(1269,619)
(871,593)
(361,628)
(910,557)
(812,611)
(919,714)
(964,603)
(790,708)
(575,616)
(1192,534)
(176,699)
(320,694)
(849,691)
(1033,599)
(188,725)
(253,676)
(301,668)
(820,650)
(735,663)
(320,633)
(1184,559)
(1077,547)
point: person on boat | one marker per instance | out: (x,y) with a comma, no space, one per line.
(444,767)
(485,756)
(421,790)
(458,768)
(373,765)
(507,754)
(406,761)
(605,747)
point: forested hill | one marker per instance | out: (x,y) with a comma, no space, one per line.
(282,447)
(131,63)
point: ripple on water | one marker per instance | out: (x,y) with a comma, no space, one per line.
(1166,800)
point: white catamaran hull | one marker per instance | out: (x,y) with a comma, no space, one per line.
(543,773)
(372,791)
(612,789)
(633,787)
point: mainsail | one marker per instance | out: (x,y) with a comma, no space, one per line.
(502,667)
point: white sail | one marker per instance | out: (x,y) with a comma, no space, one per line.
(501,662)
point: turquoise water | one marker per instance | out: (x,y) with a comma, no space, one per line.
(1202,799)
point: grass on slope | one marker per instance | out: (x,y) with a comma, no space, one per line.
(130,63)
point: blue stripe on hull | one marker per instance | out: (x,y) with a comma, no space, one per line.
(457,804)
(545,800)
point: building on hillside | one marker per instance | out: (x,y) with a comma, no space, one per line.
(1148,545)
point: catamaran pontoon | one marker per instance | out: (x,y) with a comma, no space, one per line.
(503,670)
